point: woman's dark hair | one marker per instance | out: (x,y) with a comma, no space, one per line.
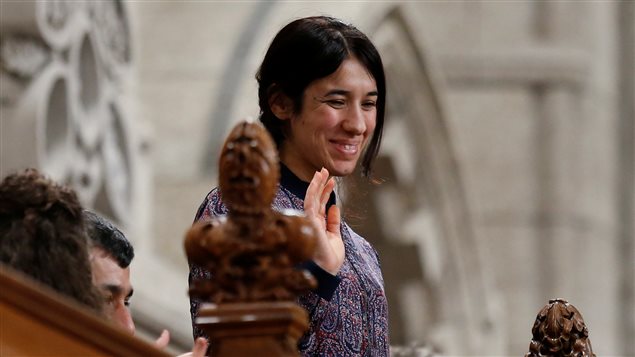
(308,49)
(42,234)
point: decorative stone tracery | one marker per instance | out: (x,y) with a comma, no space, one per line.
(64,67)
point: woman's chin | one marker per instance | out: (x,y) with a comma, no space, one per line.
(341,170)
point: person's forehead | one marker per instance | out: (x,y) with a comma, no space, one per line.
(106,270)
(98,252)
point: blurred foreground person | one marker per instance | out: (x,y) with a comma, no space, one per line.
(42,234)
(110,256)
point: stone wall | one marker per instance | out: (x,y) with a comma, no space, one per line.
(507,160)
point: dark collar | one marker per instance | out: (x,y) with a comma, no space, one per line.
(298,187)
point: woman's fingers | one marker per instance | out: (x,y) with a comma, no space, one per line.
(329,253)
(326,193)
(333,221)
(333,246)
(310,193)
(313,197)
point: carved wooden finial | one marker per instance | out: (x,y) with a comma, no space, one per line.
(252,253)
(559,331)
(248,303)
(248,170)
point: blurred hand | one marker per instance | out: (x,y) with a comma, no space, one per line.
(163,340)
(329,252)
(199,349)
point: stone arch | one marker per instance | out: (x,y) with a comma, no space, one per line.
(418,218)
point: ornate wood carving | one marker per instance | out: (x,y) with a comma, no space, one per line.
(252,255)
(559,331)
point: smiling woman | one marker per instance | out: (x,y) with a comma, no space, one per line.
(334,124)
(322,97)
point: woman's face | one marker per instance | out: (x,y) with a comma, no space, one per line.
(336,120)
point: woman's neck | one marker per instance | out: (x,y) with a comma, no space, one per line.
(296,167)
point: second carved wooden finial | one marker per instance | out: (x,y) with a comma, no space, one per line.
(559,331)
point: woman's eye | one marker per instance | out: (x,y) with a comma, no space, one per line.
(369,104)
(127,302)
(336,103)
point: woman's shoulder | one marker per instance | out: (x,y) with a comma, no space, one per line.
(286,200)
(212,206)
(360,243)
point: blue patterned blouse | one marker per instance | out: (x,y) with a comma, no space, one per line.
(348,313)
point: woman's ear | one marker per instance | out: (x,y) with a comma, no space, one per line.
(281,105)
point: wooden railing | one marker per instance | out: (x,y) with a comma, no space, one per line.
(37,321)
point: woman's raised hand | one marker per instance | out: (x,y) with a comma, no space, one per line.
(329,251)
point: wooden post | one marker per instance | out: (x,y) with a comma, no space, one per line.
(248,303)
(559,331)
(253,329)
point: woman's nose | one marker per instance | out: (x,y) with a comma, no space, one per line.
(355,121)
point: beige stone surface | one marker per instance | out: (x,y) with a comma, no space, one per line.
(520,99)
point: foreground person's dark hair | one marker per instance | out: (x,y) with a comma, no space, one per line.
(42,234)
